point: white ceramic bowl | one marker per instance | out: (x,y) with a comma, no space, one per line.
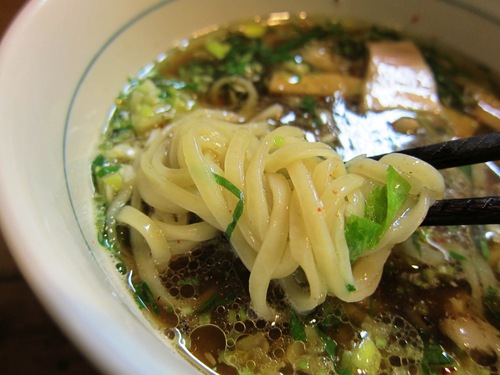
(61,65)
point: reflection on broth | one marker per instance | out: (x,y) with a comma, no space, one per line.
(233,147)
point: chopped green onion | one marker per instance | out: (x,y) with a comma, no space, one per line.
(330,345)
(436,358)
(189,281)
(208,304)
(485,249)
(225,183)
(218,298)
(303,364)
(253,30)
(278,141)
(99,161)
(238,210)
(231,317)
(144,297)
(218,49)
(121,267)
(113,180)
(103,171)
(364,358)
(457,256)
(204,319)
(350,288)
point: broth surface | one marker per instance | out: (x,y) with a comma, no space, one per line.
(436,310)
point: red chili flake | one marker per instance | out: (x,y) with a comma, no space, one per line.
(319,209)
(178,241)
(415,18)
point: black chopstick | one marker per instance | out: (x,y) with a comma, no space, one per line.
(459,152)
(456,153)
(466,211)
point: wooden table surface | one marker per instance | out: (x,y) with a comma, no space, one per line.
(30,342)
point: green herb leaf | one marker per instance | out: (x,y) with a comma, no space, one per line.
(382,205)
(219,298)
(397,192)
(359,234)
(376,204)
(297,328)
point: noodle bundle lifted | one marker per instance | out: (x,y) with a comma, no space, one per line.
(293,211)
(234,196)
